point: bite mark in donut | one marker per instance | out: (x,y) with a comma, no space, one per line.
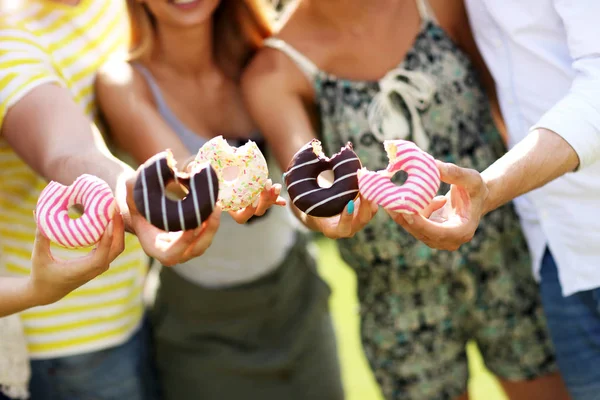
(246,164)
(303,188)
(151,199)
(52,211)
(418,190)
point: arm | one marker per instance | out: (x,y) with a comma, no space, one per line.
(44,126)
(567,137)
(15,296)
(60,143)
(135,124)
(138,128)
(278,97)
(50,279)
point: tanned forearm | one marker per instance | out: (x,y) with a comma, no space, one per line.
(15,296)
(66,168)
(60,143)
(538,159)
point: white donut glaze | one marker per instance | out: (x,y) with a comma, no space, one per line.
(252,172)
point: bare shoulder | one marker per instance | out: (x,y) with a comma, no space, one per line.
(451,15)
(119,80)
(268,66)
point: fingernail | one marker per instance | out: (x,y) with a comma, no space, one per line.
(197,231)
(350,208)
(409,219)
(255,204)
(109,229)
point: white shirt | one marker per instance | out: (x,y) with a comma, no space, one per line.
(545,58)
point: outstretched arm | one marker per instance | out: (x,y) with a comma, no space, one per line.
(50,279)
(42,123)
(566,138)
(279,98)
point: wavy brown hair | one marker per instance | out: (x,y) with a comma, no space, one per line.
(239,28)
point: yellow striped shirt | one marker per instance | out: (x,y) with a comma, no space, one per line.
(49,42)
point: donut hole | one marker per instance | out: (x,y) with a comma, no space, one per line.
(399,178)
(75,211)
(231,173)
(325,179)
(176,191)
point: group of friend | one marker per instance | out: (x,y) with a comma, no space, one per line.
(506,95)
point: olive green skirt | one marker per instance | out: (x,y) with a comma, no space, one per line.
(269,339)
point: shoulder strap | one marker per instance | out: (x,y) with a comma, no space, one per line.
(161,104)
(426,11)
(303,62)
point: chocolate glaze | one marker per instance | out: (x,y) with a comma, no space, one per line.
(302,186)
(172,215)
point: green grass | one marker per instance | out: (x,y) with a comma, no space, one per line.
(358,380)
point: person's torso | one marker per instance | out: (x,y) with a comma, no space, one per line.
(525,46)
(238,253)
(438,102)
(75,41)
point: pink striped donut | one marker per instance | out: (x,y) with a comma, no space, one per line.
(51,213)
(420,187)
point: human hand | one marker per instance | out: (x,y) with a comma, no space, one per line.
(450,220)
(269,197)
(51,278)
(355,216)
(170,248)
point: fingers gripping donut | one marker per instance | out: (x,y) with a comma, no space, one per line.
(420,187)
(242,172)
(92,195)
(170,215)
(303,188)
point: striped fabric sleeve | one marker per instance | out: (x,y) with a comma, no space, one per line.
(24,65)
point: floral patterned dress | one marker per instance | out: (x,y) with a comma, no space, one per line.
(420,306)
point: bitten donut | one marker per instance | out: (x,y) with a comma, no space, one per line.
(170,215)
(303,171)
(242,172)
(92,194)
(420,187)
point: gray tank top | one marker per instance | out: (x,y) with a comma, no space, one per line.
(239,253)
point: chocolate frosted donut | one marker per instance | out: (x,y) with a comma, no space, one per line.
(302,186)
(175,215)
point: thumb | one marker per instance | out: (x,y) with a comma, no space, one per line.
(41,249)
(463,177)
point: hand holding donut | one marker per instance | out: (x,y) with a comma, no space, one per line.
(175,247)
(337,210)
(450,220)
(52,279)
(245,189)
(355,216)
(270,196)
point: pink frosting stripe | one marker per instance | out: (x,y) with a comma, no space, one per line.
(416,193)
(368,180)
(94,222)
(52,211)
(43,210)
(59,202)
